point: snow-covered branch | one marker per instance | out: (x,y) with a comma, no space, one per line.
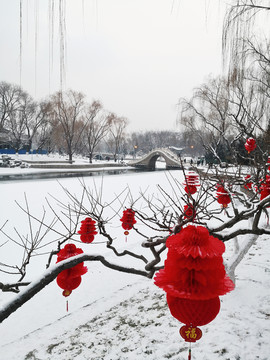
(50,275)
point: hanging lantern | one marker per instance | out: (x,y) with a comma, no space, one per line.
(194,277)
(194,266)
(265,188)
(68,283)
(87,230)
(70,279)
(189,211)
(128,220)
(223,196)
(248,184)
(190,333)
(250,144)
(191,183)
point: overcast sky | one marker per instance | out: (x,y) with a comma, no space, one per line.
(138,57)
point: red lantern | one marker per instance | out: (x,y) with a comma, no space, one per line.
(194,277)
(190,333)
(194,266)
(128,220)
(192,182)
(70,279)
(193,312)
(223,196)
(265,188)
(87,230)
(68,283)
(189,211)
(250,144)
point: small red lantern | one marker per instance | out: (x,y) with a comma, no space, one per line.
(70,279)
(250,145)
(192,182)
(189,211)
(128,220)
(190,333)
(223,196)
(87,230)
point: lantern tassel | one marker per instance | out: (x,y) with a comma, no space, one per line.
(189,352)
(67,305)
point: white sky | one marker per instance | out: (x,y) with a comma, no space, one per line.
(138,57)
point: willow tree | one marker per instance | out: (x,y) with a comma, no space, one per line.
(244,24)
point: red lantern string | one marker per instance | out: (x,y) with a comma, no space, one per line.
(194,277)
(191,183)
(70,279)
(128,220)
(250,144)
(223,196)
(87,230)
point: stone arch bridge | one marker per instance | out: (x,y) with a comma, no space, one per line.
(149,161)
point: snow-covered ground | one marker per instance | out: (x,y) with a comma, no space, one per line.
(115,316)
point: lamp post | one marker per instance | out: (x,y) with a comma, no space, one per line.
(135,150)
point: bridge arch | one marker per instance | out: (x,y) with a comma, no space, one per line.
(149,161)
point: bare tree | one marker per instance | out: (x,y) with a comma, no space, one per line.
(97,127)
(116,133)
(222,113)
(34,115)
(66,112)
(9,101)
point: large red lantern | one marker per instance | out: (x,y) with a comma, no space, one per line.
(128,220)
(250,145)
(194,277)
(87,230)
(191,183)
(70,279)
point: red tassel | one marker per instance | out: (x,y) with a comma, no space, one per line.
(67,305)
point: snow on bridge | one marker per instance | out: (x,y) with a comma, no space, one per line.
(149,161)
